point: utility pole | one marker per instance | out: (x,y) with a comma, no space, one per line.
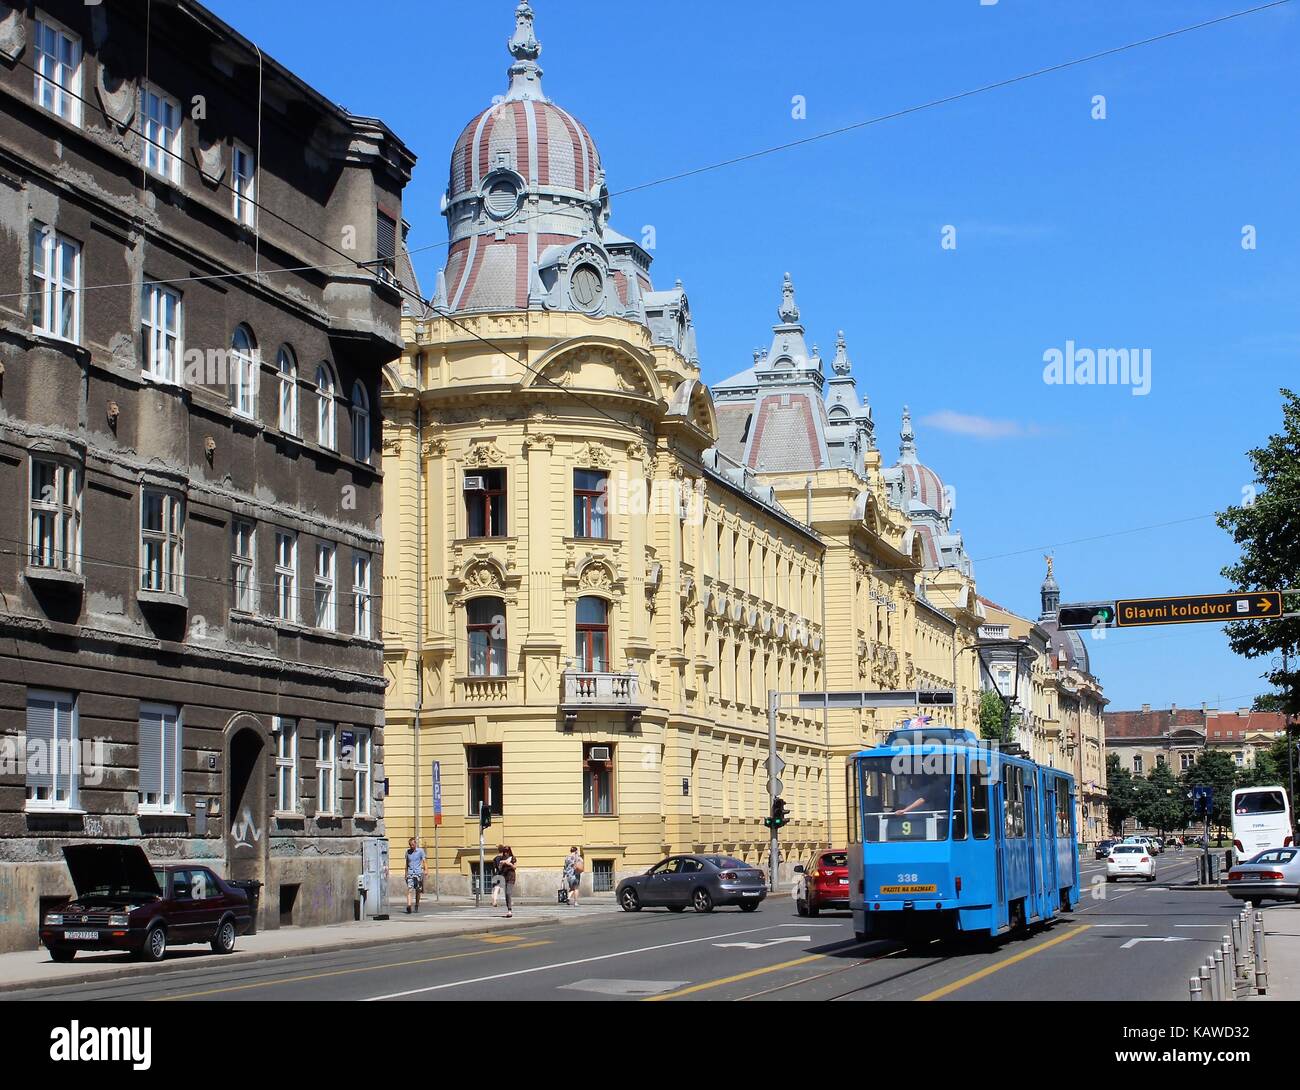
(773,783)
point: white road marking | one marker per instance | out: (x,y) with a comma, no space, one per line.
(1121,925)
(762,945)
(1167,938)
(624,987)
(560,965)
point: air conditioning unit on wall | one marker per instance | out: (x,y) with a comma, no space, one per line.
(475,484)
(599,753)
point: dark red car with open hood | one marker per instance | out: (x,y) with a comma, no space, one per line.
(124,902)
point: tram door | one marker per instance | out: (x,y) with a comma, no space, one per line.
(1034,899)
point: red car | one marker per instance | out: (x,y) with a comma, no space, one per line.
(823,883)
(126,903)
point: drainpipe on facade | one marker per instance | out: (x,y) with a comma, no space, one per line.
(419,604)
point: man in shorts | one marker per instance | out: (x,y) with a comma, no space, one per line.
(415,857)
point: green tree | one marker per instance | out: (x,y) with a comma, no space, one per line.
(1121,794)
(1162,801)
(1267,529)
(1214,768)
(992,715)
(1267,702)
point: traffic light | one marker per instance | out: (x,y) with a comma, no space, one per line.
(1090,615)
(778,813)
(484,815)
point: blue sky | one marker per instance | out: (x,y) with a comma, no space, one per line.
(1116,233)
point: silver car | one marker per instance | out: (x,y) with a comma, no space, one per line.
(1272,875)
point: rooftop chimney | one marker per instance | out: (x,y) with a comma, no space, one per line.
(1243,711)
(1146,709)
(1204,706)
(1173,709)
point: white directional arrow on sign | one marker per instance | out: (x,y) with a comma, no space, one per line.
(762,945)
(1167,938)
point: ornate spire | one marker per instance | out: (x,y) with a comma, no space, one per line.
(907,448)
(525,73)
(788,312)
(840,363)
(1050,593)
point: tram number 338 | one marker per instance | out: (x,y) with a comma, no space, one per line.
(904,878)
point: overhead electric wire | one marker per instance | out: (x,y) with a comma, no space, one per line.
(762,152)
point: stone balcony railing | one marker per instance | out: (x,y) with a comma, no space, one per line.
(586,689)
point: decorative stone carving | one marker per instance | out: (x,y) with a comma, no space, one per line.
(209,158)
(636,449)
(596,576)
(435,447)
(13,33)
(594,455)
(539,442)
(485,453)
(117,97)
(483,576)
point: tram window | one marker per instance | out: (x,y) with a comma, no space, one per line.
(851,794)
(905,805)
(979,800)
(1014,777)
(959,798)
(1062,807)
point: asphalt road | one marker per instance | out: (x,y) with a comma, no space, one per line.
(1125,942)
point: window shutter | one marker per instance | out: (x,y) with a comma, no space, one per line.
(172,766)
(385,237)
(41,712)
(151,750)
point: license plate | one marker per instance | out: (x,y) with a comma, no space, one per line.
(909,889)
(749,893)
(844,881)
(84,936)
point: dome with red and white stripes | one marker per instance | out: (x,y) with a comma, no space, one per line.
(526,203)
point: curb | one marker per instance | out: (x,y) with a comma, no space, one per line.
(132,969)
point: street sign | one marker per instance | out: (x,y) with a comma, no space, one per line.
(1085,615)
(775,766)
(1194,608)
(437,793)
(773,788)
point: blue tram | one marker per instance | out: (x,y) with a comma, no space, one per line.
(948,835)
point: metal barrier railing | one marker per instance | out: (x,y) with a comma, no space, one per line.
(1238,969)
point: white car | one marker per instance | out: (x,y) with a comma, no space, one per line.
(1130,861)
(1145,842)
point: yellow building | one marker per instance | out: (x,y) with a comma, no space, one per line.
(597,569)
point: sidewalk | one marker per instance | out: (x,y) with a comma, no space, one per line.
(1282,946)
(453,916)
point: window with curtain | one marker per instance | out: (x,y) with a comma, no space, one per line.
(485,626)
(325,434)
(592,635)
(360,423)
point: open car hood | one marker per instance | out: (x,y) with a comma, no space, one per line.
(113,866)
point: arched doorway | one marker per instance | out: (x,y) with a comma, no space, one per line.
(245,799)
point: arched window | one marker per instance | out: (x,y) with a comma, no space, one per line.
(325,407)
(485,624)
(592,632)
(242,379)
(287,365)
(360,423)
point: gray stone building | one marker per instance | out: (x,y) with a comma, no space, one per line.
(197,299)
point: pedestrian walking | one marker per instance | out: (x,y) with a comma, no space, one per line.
(415,857)
(497,882)
(508,866)
(573,868)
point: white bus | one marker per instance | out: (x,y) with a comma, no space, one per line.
(1261,819)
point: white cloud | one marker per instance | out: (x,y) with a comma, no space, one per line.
(980,427)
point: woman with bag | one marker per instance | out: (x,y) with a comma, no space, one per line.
(573,868)
(506,868)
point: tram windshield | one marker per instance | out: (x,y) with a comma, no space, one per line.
(908,805)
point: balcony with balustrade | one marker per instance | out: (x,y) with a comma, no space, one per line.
(587,690)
